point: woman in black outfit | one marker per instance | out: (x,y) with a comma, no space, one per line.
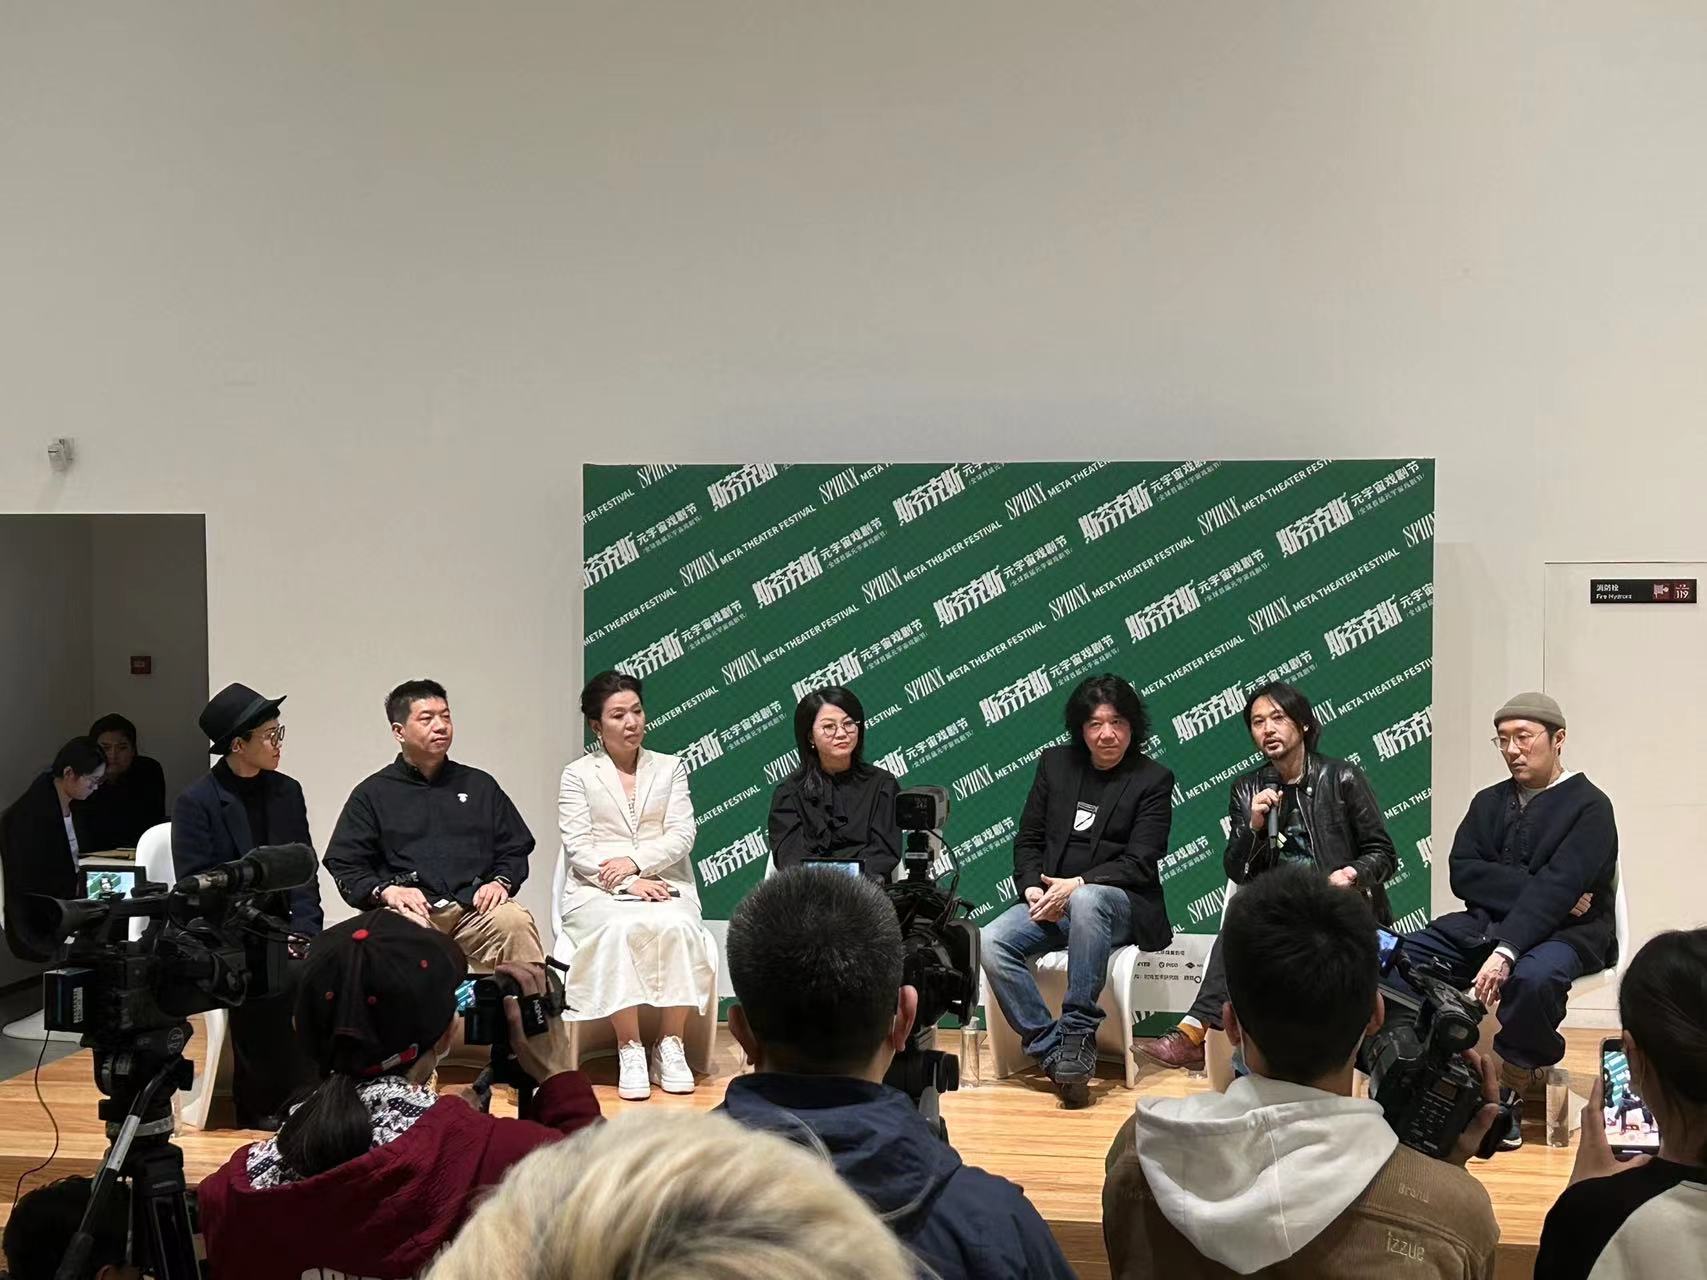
(834,805)
(39,842)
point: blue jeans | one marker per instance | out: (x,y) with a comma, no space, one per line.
(1532,1003)
(1098,920)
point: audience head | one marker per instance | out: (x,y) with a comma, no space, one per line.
(1279,717)
(78,768)
(1662,1001)
(616,713)
(244,727)
(815,959)
(43,1222)
(1530,733)
(1105,716)
(116,737)
(419,712)
(829,732)
(673,1197)
(377,997)
(1302,975)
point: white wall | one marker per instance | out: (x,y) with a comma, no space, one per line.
(149,596)
(367,284)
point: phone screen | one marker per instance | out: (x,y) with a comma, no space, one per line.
(465,995)
(1629,1124)
(1387,946)
(846,866)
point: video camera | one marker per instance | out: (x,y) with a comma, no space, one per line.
(131,970)
(940,949)
(1416,1066)
(483,1023)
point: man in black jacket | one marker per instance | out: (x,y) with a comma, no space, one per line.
(1298,807)
(437,840)
(244,803)
(1536,862)
(1085,860)
(132,797)
(816,964)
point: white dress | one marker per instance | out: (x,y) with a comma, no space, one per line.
(628,952)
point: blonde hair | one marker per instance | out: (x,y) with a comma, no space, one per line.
(668,1196)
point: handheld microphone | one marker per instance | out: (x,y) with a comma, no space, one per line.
(1269,779)
(262,870)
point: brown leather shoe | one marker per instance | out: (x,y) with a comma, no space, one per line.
(1175,1050)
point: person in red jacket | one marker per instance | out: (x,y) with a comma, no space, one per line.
(374,1173)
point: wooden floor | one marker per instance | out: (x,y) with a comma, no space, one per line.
(1014,1128)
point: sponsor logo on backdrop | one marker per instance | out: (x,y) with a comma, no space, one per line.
(1081,659)
(971,783)
(811,633)
(1272,613)
(1363,628)
(1036,561)
(880,586)
(781,767)
(1386,686)
(1413,922)
(924,684)
(738,669)
(1419,601)
(977,472)
(1292,670)
(1010,698)
(1201,660)
(1275,490)
(1425,850)
(952,550)
(1325,711)
(653,472)
(894,763)
(894,644)
(660,653)
(851,544)
(1169,609)
(740,482)
(628,616)
(681,708)
(1327,589)
(1234,575)
(750,726)
(1184,858)
(1409,802)
(791,577)
(677,522)
(930,495)
(963,600)
(1404,734)
(923,752)
(846,481)
(995,836)
(1069,601)
(724,806)
(601,564)
(996,650)
(844,670)
(706,563)
(1209,713)
(749,849)
(699,568)
(1219,516)
(1115,512)
(1207,907)
(1294,537)
(1419,531)
(1224,776)
(609,504)
(713,624)
(1026,500)
(1182,478)
(701,751)
(1388,486)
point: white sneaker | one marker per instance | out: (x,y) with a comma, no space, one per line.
(670,1070)
(631,1080)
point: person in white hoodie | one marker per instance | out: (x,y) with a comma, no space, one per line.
(1287,1175)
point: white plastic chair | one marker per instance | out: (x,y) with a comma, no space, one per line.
(1114,1032)
(594,1038)
(154,858)
(1610,977)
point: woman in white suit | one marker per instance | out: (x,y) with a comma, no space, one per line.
(630,905)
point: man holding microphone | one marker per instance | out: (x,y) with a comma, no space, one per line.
(1298,807)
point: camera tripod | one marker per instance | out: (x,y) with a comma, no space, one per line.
(924,1075)
(162,1225)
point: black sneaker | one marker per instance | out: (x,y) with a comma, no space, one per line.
(1513,1136)
(1071,1067)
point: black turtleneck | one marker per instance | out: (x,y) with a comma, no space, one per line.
(253,795)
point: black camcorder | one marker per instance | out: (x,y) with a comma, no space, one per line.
(484,1023)
(1416,1066)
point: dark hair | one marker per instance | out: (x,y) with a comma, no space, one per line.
(815,959)
(330,1128)
(401,700)
(1117,692)
(43,1222)
(1291,700)
(1662,1002)
(809,773)
(601,687)
(114,723)
(81,756)
(1302,968)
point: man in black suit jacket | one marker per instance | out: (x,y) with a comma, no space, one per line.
(1085,862)
(242,803)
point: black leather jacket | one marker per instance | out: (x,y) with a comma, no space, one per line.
(1342,816)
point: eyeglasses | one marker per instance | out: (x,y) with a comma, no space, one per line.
(838,728)
(1522,739)
(274,737)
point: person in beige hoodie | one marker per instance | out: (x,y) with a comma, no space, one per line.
(1287,1175)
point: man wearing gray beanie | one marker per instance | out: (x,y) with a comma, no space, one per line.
(1536,862)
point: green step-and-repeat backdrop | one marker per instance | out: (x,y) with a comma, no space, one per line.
(963,601)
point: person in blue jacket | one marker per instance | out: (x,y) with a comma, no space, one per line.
(244,803)
(815,959)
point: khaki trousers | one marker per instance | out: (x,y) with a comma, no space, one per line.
(504,935)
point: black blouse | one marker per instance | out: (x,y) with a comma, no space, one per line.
(853,816)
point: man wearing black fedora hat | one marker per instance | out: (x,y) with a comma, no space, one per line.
(240,804)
